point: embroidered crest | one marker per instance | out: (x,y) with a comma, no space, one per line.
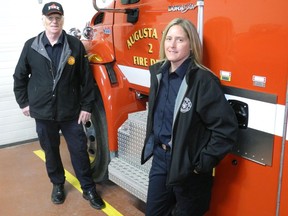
(186,105)
(71,60)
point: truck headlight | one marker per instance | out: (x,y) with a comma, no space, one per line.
(75,32)
(88,33)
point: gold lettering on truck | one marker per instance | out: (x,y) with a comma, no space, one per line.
(141,34)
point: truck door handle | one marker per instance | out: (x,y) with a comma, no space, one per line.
(241,110)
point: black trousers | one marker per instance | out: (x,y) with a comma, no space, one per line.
(49,138)
(190,198)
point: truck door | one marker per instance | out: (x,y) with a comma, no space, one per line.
(137,43)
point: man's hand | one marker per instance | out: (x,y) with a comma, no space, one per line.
(26,111)
(84,117)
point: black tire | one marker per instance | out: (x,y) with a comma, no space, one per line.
(97,136)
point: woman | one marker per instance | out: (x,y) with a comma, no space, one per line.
(190,125)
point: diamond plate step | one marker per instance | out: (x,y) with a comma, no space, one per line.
(126,170)
(127,176)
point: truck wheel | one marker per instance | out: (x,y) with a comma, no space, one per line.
(97,141)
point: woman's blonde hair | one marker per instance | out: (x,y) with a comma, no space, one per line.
(193,36)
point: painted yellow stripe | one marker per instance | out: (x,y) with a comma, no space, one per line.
(109,210)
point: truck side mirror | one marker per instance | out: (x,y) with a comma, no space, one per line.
(132,15)
(241,110)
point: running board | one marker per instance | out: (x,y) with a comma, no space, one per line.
(133,180)
(126,170)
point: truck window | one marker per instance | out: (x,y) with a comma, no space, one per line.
(99,19)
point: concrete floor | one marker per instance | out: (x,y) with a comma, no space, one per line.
(25,189)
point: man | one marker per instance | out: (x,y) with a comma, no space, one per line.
(54,85)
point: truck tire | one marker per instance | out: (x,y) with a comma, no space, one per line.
(97,141)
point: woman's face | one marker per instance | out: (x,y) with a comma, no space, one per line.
(177,46)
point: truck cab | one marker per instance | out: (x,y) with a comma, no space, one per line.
(245,44)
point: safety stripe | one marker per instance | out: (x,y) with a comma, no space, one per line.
(263,116)
(136,76)
(109,210)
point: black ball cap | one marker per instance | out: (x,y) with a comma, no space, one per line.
(52,7)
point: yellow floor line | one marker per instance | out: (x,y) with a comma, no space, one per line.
(109,210)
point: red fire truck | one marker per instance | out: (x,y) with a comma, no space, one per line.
(245,43)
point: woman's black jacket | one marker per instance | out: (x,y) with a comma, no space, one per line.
(204,126)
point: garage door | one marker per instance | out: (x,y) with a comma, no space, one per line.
(20,21)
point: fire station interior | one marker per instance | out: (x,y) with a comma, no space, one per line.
(245,44)
(26,189)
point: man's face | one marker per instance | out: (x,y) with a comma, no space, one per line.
(53,23)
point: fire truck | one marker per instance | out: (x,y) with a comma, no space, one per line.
(245,44)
